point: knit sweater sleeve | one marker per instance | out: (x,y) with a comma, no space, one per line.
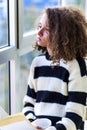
(30,97)
(75,107)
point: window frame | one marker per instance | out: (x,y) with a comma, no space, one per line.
(9,53)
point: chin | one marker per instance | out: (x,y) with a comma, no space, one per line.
(39,44)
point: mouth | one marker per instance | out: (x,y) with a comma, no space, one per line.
(38,39)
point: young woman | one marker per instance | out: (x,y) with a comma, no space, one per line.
(57,85)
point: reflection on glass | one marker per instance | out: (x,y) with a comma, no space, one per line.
(79,3)
(21,80)
(33,9)
(3,24)
(4,89)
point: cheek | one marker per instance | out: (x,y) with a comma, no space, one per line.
(48,40)
(46,36)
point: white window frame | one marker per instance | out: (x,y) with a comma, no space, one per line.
(8,53)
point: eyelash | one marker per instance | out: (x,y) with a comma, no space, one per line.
(39,27)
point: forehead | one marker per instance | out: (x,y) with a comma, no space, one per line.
(44,19)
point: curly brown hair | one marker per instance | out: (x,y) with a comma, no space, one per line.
(68,33)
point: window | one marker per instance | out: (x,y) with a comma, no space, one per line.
(79,3)
(33,8)
(3,23)
(7,51)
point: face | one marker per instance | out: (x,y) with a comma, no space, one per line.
(42,38)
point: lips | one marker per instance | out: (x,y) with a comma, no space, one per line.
(38,39)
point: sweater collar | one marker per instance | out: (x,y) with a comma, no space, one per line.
(47,56)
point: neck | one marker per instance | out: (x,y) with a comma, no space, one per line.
(49,52)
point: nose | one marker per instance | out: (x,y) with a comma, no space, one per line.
(40,32)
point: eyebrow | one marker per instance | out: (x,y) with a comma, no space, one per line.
(41,24)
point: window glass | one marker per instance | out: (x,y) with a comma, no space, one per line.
(33,8)
(3,24)
(79,3)
(4,87)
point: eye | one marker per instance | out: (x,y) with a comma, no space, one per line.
(39,26)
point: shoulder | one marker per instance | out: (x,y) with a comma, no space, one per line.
(76,66)
(40,60)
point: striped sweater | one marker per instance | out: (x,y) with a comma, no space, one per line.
(57,92)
